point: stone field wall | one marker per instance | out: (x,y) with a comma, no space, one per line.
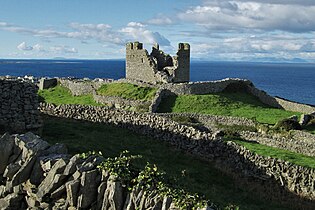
(119,102)
(82,87)
(211,120)
(297,179)
(36,175)
(294,106)
(295,143)
(18,106)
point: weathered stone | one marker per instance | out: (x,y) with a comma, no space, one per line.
(100,194)
(30,144)
(24,171)
(45,83)
(166,203)
(11,170)
(53,180)
(305,118)
(6,147)
(72,189)
(114,195)
(58,193)
(90,181)
(11,202)
(72,165)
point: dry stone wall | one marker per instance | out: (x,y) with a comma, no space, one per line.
(36,175)
(296,142)
(297,179)
(294,106)
(119,102)
(18,106)
(79,87)
(212,120)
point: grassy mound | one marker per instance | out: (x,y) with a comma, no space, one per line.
(237,104)
(128,91)
(192,174)
(61,95)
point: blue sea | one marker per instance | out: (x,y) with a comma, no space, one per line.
(293,81)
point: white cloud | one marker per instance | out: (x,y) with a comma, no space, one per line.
(161,20)
(99,32)
(243,15)
(23,47)
(138,31)
(38,47)
(63,49)
(135,24)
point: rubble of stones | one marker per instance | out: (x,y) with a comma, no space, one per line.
(36,175)
(207,145)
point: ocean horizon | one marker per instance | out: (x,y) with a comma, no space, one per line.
(292,81)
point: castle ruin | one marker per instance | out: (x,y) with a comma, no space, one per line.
(158,66)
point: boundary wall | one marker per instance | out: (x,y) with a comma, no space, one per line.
(18,106)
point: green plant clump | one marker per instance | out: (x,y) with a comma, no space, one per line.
(127,91)
(62,95)
(238,104)
(149,179)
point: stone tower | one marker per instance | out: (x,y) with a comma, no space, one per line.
(157,66)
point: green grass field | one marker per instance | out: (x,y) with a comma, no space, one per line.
(192,174)
(228,104)
(128,91)
(61,95)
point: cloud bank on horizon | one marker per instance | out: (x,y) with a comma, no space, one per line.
(262,30)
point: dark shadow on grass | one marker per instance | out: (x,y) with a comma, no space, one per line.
(167,104)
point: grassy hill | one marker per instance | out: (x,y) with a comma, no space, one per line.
(238,104)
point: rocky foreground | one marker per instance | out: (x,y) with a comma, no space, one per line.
(36,175)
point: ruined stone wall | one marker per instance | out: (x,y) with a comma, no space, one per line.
(18,106)
(79,87)
(36,175)
(158,66)
(139,65)
(296,179)
(182,73)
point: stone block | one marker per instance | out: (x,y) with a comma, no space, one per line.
(46,83)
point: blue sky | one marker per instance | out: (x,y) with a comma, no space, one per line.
(242,30)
